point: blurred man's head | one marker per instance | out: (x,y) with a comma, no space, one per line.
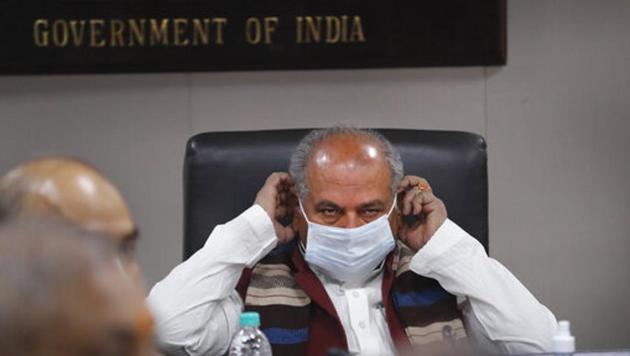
(74,191)
(63,292)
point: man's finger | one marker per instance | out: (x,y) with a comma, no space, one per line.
(428,197)
(407,201)
(434,205)
(403,182)
(280,233)
(285,233)
(407,182)
(425,202)
(268,197)
(277,179)
(410,182)
(417,203)
(273,178)
(277,182)
(281,211)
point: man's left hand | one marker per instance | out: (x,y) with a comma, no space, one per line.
(417,199)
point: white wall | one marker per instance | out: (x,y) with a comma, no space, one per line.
(558,127)
(556,120)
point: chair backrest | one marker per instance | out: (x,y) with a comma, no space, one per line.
(223,171)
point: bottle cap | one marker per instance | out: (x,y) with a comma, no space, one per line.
(563,341)
(250,319)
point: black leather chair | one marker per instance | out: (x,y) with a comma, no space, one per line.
(223,171)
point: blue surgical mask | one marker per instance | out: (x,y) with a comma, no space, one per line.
(349,254)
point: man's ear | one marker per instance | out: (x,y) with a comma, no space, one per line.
(295,221)
(299,224)
(297,218)
(294,209)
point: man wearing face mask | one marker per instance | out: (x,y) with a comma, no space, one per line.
(356,278)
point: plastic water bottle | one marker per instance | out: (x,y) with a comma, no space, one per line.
(250,341)
(563,342)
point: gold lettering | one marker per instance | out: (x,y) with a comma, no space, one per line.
(298,29)
(116,33)
(136,33)
(313,29)
(40,33)
(357,30)
(333,29)
(159,35)
(179,29)
(96,26)
(220,22)
(270,26)
(60,33)
(252,23)
(132,32)
(77,34)
(201,34)
(344,28)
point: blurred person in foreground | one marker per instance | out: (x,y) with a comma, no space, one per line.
(76,192)
(357,277)
(63,293)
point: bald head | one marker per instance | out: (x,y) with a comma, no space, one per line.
(69,189)
(347,148)
(347,152)
(338,157)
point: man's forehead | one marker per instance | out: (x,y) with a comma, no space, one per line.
(348,168)
(348,149)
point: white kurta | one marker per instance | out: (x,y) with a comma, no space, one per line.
(197,308)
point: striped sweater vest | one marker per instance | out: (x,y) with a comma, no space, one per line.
(299,318)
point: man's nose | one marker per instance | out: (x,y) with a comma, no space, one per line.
(353,220)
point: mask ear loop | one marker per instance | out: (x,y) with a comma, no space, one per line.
(301,244)
(393,206)
(303,212)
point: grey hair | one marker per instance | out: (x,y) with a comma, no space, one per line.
(302,154)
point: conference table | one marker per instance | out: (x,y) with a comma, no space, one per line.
(617,352)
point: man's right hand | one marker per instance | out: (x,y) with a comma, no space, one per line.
(274,198)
